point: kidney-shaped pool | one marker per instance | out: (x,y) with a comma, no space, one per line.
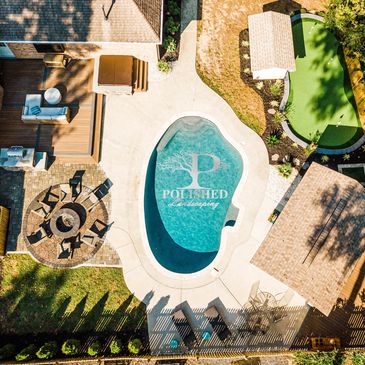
(192,175)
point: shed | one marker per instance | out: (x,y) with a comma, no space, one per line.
(271,45)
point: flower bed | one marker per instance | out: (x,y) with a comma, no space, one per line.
(169,51)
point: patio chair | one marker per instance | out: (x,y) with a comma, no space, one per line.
(286,298)
(90,202)
(65,250)
(65,193)
(90,238)
(218,324)
(37,237)
(42,210)
(184,328)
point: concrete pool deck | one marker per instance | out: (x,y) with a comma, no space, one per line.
(133,126)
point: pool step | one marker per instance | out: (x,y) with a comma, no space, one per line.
(140,75)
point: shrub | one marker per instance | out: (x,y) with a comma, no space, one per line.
(358,358)
(7,351)
(279,117)
(247,71)
(325,158)
(173,8)
(273,139)
(48,350)
(169,44)
(245,43)
(285,169)
(311,148)
(134,346)
(346,156)
(320,358)
(363,148)
(116,346)
(316,137)
(259,85)
(274,103)
(71,347)
(163,66)
(28,353)
(171,27)
(94,348)
(275,88)
(246,56)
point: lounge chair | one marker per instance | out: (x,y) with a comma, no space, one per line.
(184,328)
(90,238)
(218,324)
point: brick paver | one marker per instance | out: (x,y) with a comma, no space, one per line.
(19,188)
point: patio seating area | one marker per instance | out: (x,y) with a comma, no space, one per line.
(65,125)
(217,329)
(62,228)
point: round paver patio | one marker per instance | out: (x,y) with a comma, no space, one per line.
(64,231)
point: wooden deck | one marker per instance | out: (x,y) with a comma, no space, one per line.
(73,141)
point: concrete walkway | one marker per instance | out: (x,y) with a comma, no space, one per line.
(133,126)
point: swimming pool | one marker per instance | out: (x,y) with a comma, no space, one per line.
(192,175)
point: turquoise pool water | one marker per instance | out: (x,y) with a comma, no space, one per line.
(192,176)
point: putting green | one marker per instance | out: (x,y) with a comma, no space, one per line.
(321,97)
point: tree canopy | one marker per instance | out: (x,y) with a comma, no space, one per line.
(347,19)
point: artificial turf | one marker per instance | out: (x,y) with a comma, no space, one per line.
(321,97)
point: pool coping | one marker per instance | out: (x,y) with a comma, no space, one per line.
(286,124)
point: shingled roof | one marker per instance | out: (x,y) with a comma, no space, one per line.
(314,245)
(271,41)
(80,21)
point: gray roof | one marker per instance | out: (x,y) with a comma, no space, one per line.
(271,41)
(314,245)
(80,21)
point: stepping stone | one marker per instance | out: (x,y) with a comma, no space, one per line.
(271,111)
(275,157)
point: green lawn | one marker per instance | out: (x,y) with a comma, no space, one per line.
(321,97)
(35,298)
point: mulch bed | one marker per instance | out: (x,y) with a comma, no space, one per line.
(171,56)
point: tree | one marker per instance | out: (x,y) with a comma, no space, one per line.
(71,347)
(346,18)
(48,350)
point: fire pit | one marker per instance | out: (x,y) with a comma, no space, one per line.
(65,223)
